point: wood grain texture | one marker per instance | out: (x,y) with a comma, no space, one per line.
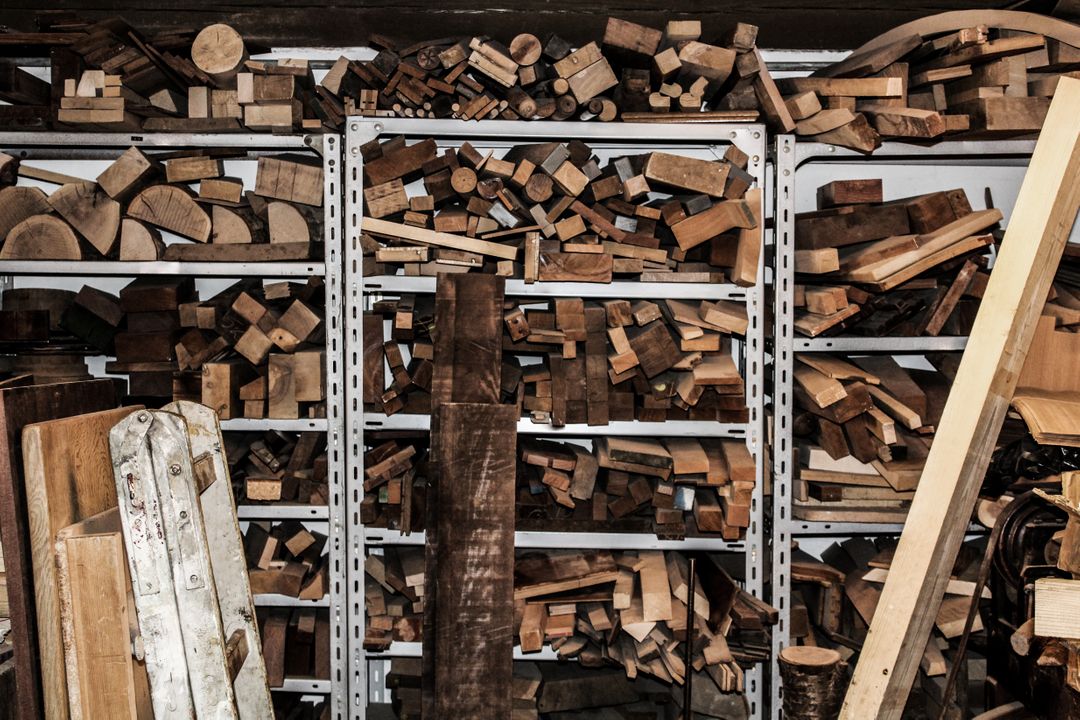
(20,407)
(69,477)
(475,577)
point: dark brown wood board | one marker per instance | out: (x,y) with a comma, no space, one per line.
(475,574)
(19,407)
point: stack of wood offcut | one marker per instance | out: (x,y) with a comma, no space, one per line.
(634,73)
(566,361)
(296,644)
(141,201)
(863,427)
(671,486)
(179,82)
(910,266)
(39,348)
(833,601)
(253,350)
(974,82)
(620,616)
(286,559)
(553,212)
(276,466)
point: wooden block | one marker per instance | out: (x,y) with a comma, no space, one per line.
(292,179)
(686,173)
(849,192)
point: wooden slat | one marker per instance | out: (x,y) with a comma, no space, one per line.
(1038,229)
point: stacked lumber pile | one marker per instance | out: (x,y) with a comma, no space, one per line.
(125,211)
(977,81)
(670,486)
(629,611)
(276,467)
(260,350)
(566,361)
(911,266)
(177,82)
(833,601)
(39,348)
(551,212)
(286,559)
(864,426)
(635,73)
(296,643)
(254,350)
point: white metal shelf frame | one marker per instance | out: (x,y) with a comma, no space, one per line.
(631,137)
(788,158)
(327,147)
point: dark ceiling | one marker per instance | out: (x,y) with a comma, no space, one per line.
(783,23)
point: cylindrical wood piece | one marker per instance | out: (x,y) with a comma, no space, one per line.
(814,680)
(219,52)
(525,49)
(539,188)
(463,180)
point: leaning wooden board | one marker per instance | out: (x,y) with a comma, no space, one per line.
(20,407)
(69,477)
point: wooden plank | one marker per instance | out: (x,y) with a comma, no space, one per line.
(69,477)
(475,614)
(468,324)
(1038,229)
(20,407)
(438,239)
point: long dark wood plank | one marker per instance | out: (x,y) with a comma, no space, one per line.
(475,576)
(19,407)
(467,360)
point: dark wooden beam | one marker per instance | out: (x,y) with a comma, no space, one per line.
(834,24)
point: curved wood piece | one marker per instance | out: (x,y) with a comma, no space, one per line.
(41,237)
(230,227)
(92,213)
(172,209)
(287,224)
(18,203)
(947,22)
(139,242)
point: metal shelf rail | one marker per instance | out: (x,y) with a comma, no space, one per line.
(107,146)
(604,137)
(789,157)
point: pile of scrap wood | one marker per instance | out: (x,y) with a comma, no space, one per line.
(864,427)
(629,610)
(911,266)
(296,644)
(833,602)
(253,350)
(125,211)
(276,466)
(553,212)
(40,348)
(597,362)
(286,559)
(635,73)
(986,81)
(671,486)
(107,75)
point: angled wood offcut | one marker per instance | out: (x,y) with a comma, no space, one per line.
(1041,221)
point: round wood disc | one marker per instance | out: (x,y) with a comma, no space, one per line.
(463,180)
(428,58)
(218,50)
(808,656)
(525,49)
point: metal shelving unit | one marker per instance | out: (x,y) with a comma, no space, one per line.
(789,158)
(107,146)
(707,140)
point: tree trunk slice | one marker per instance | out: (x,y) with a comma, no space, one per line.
(171,208)
(92,213)
(41,237)
(814,681)
(139,243)
(19,203)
